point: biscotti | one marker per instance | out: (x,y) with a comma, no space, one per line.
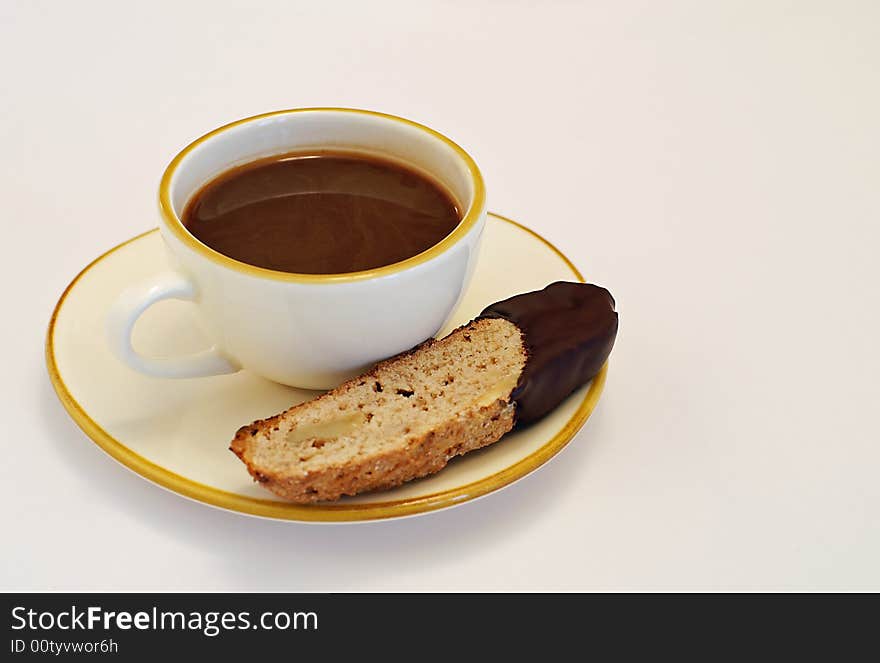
(408,416)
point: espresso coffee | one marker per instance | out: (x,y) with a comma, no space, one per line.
(321,213)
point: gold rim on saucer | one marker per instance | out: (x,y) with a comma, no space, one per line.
(336,512)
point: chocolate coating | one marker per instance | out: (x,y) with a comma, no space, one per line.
(568,331)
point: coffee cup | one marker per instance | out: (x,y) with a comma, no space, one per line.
(305,330)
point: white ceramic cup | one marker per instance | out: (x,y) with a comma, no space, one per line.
(306,330)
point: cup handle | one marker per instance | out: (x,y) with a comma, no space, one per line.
(129,306)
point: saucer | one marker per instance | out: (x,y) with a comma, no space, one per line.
(176,433)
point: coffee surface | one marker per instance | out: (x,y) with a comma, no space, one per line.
(321,213)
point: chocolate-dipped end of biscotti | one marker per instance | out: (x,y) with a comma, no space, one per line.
(568,331)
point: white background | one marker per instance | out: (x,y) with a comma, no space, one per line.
(716,165)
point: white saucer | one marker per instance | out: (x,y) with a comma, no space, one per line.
(176,433)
